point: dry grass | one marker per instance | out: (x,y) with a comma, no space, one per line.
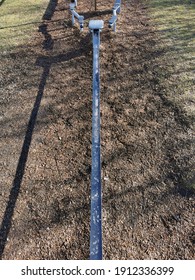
(175,21)
(18,19)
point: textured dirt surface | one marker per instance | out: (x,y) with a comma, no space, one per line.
(45,143)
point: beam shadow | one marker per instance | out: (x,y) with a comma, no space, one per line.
(9,211)
(96,13)
(45,62)
(48,42)
(50,10)
(1,2)
(6,222)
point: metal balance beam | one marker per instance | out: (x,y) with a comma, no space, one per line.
(116,9)
(96,193)
(76,15)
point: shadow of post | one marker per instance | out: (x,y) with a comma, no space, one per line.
(45,62)
(9,211)
(48,42)
(50,10)
(6,222)
(1,2)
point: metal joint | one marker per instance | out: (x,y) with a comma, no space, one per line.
(116,9)
(76,15)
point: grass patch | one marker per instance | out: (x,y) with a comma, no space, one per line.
(18,19)
(174,20)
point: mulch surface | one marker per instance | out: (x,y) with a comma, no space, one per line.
(45,143)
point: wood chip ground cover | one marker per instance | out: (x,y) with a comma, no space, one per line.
(45,144)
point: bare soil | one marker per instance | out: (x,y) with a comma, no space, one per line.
(45,143)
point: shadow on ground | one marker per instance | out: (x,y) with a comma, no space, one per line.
(147,151)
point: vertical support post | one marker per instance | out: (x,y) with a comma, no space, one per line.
(73,21)
(96,193)
(114,27)
(74,2)
(118,2)
(72,6)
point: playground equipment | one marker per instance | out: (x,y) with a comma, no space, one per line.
(112,22)
(95,27)
(96,200)
(76,15)
(116,9)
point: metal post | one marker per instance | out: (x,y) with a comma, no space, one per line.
(114,27)
(96,192)
(118,2)
(74,2)
(73,21)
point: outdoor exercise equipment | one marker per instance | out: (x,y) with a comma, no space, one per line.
(96,193)
(95,27)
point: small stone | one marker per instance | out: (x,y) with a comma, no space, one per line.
(106,179)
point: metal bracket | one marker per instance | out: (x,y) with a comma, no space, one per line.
(112,21)
(116,9)
(76,15)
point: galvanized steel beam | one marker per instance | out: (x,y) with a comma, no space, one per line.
(96,193)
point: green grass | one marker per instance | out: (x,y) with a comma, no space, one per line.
(175,21)
(18,19)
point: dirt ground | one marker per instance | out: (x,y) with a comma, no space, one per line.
(45,143)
